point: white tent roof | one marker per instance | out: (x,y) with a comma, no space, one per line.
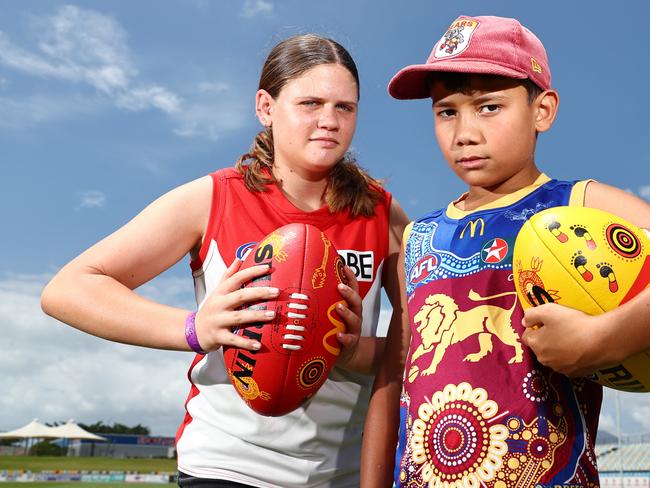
(36,429)
(31,430)
(71,430)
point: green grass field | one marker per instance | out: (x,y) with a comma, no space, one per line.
(70,463)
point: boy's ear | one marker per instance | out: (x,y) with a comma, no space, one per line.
(264,107)
(546,105)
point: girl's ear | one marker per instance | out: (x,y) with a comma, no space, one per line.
(264,103)
(545,106)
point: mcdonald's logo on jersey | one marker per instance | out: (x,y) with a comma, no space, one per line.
(473,225)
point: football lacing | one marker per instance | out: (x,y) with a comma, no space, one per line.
(296,336)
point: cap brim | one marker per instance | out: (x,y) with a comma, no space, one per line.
(410,83)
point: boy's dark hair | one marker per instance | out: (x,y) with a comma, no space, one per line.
(459,82)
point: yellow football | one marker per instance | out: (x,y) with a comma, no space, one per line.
(589,260)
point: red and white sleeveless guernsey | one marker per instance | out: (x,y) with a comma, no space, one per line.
(318,444)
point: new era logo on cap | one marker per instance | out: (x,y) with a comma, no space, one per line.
(480,45)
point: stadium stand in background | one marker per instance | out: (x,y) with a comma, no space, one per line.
(625,464)
(125,446)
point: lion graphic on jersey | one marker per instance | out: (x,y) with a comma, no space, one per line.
(440,324)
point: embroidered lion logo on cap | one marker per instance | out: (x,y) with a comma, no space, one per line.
(456,39)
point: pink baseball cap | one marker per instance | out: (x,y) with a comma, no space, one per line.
(481,45)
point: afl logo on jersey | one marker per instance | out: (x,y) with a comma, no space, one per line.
(423,268)
(243,250)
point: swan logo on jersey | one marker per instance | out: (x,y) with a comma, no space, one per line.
(243,250)
(423,268)
(362,263)
(494,251)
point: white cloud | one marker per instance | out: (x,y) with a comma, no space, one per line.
(212,109)
(22,60)
(636,406)
(252,8)
(644,191)
(54,372)
(607,423)
(634,412)
(210,117)
(89,48)
(211,88)
(93,199)
(90,44)
(642,415)
(154,96)
(84,46)
(172,290)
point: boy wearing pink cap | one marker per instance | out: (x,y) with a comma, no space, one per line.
(478,396)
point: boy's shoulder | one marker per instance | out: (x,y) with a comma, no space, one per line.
(574,188)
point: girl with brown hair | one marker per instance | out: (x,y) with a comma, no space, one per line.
(298,170)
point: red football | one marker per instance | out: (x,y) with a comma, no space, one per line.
(299,347)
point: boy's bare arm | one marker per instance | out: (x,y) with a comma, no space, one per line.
(575,343)
(619,202)
(382,420)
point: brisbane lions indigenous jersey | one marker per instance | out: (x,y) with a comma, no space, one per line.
(318,444)
(477,409)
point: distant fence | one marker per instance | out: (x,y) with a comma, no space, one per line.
(635,439)
(125,446)
(632,481)
(87,477)
(12,451)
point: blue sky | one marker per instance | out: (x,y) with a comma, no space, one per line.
(106,105)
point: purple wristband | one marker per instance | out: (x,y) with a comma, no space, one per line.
(190,334)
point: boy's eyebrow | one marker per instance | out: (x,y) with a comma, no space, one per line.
(442,104)
(486,97)
(492,96)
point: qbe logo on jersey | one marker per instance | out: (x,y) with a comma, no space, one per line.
(362,263)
